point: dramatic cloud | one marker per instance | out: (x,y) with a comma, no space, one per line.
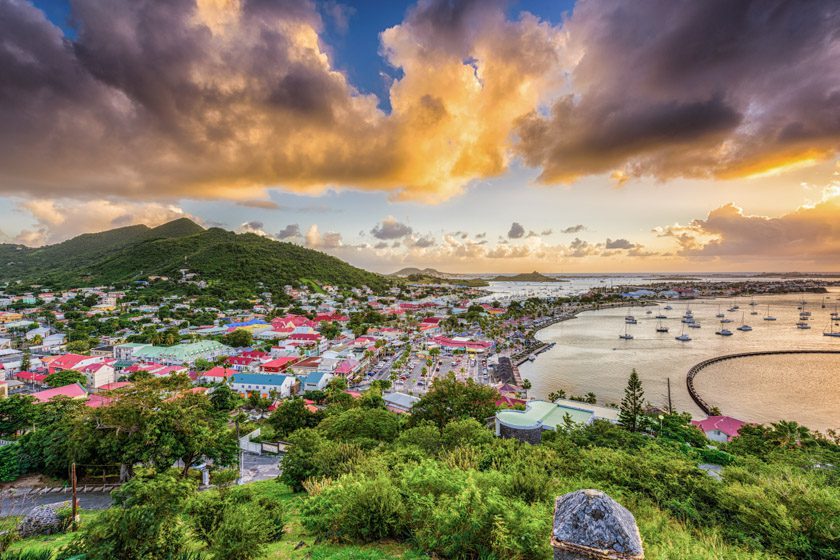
(58,220)
(225,99)
(509,252)
(390,228)
(516,231)
(291,230)
(574,229)
(809,233)
(692,89)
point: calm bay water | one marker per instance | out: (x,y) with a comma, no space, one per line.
(589,356)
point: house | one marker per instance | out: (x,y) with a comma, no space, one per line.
(306,366)
(217,374)
(72,391)
(719,428)
(72,361)
(99,374)
(316,381)
(31,377)
(278,365)
(399,402)
(264,384)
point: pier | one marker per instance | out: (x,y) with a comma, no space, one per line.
(692,373)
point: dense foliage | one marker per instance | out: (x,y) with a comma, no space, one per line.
(231,260)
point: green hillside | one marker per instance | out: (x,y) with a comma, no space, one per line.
(133,253)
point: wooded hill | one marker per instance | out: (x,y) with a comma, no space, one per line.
(123,255)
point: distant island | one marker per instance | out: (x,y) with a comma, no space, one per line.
(526,277)
(413,271)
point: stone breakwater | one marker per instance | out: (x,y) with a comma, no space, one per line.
(697,368)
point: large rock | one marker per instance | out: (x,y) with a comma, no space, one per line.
(590,524)
(43,520)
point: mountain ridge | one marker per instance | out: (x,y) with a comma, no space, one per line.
(131,253)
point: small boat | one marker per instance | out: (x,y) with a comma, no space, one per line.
(724,332)
(661,316)
(630,320)
(769,317)
(667,308)
(744,327)
(694,325)
(626,335)
(753,312)
(531,358)
(831,331)
(683,337)
(719,315)
(726,320)
(802,325)
(661,328)
(753,303)
(648,312)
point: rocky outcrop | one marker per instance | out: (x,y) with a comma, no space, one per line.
(44,520)
(589,524)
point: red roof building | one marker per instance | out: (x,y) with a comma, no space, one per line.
(719,428)
(278,365)
(73,391)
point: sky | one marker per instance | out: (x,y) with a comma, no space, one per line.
(472,136)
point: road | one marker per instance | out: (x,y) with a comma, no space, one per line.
(21,505)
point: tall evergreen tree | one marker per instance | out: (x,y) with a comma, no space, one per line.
(632,405)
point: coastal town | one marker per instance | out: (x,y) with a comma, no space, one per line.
(87,343)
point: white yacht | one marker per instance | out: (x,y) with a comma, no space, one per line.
(744,327)
(723,331)
(683,337)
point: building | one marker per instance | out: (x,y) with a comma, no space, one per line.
(527,425)
(99,374)
(181,353)
(399,402)
(264,384)
(73,391)
(719,428)
(316,381)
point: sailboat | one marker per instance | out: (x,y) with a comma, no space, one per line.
(660,327)
(629,318)
(744,327)
(683,337)
(769,317)
(660,315)
(626,335)
(802,325)
(723,330)
(752,302)
(719,314)
(831,331)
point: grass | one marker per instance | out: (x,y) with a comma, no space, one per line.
(295,544)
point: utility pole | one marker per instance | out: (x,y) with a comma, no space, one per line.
(670,405)
(75,505)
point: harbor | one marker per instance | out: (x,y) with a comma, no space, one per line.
(590,356)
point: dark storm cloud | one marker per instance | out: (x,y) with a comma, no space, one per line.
(291,230)
(390,228)
(716,88)
(516,231)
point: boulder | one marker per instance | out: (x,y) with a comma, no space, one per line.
(590,524)
(43,520)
